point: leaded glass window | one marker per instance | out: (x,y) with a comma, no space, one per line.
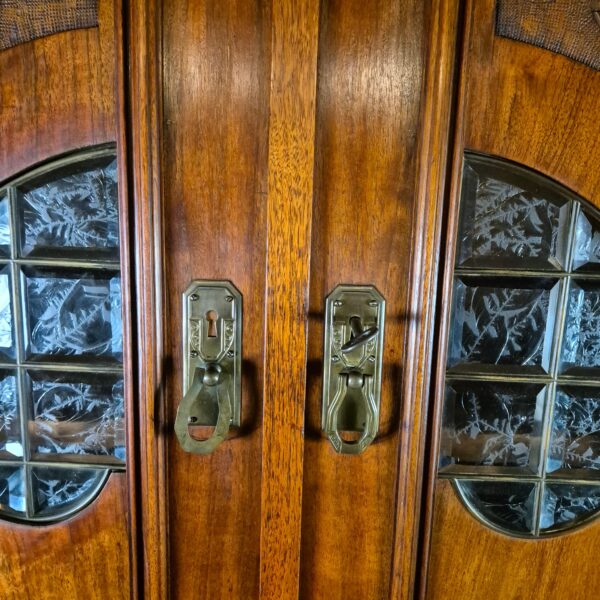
(61,342)
(521,422)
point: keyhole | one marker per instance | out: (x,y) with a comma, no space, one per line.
(211,317)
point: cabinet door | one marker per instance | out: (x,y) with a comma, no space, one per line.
(67,520)
(515,492)
(297,151)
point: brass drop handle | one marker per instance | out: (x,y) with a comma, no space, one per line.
(209,387)
(212,362)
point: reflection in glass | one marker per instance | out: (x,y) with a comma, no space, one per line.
(10,429)
(510,219)
(586,251)
(493,424)
(502,322)
(507,505)
(566,505)
(6,319)
(57,490)
(12,490)
(73,313)
(4,225)
(77,415)
(581,341)
(575,433)
(75,212)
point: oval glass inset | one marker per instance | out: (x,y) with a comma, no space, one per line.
(62,411)
(521,419)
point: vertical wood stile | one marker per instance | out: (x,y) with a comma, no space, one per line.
(144,146)
(290,177)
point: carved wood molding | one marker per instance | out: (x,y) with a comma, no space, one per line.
(25,20)
(568,27)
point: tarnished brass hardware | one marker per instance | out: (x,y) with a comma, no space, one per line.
(212,344)
(354,323)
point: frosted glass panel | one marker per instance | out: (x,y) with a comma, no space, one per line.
(62,413)
(520,431)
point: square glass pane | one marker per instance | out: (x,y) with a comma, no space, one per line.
(565,505)
(10,422)
(72,212)
(7,325)
(77,417)
(510,219)
(508,505)
(586,250)
(575,434)
(73,314)
(492,424)
(57,490)
(4,225)
(581,338)
(501,324)
(12,490)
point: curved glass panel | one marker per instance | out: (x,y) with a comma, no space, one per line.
(521,422)
(61,342)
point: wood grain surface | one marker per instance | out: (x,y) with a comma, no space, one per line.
(215,70)
(470,560)
(289,221)
(531,106)
(372,60)
(59,94)
(84,557)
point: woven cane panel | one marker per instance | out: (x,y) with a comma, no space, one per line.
(25,20)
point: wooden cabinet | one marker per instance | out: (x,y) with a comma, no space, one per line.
(289,148)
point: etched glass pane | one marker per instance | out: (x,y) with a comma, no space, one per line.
(74,313)
(57,490)
(507,505)
(12,490)
(77,416)
(581,339)
(586,251)
(567,505)
(4,225)
(10,427)
(72,212)
(492,424)
(510,219)
(502,322)
(575,433)
(7,339)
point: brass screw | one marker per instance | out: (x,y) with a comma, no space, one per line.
(194,297)
(229,298)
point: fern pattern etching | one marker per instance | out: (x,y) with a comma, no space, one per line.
(500,324)
(492,424)
(62,391)
(10,435)
(78,417)
(575,436)
(74,313)
(581,346)
(78,209)
(520,429)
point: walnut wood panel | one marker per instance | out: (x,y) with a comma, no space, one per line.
(472,561)
(372,60)
(291,162)
(216,65)
(85,557)
(569,27)
(57,94)
(144,137)
(533,107)
(25,20)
